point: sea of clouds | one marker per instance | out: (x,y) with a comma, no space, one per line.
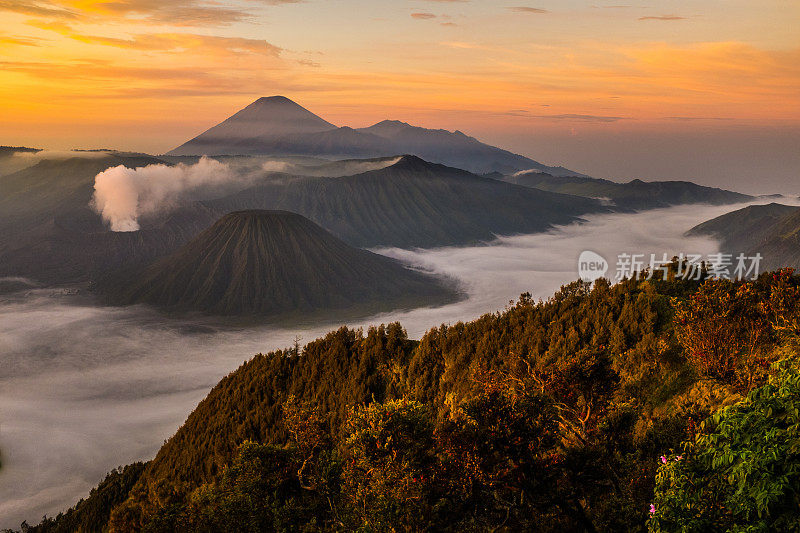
(85,389)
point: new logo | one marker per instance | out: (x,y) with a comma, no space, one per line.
(591,266)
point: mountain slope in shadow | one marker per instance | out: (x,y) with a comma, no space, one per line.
(269,263)
(773,230)
(413,203)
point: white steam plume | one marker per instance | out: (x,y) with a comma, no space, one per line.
(336,169)
(332,169)
(351,168)
(529,171)
(122,195)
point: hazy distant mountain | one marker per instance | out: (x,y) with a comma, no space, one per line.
(773,230)
(50,233)
(636,194)
(337,143)
(413,203)
(276,262)
(60,187)
(265,118)
(280,127)
(6,151)
(9,153)
(455,149)
(12,158)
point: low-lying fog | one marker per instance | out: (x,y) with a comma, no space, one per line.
(85,389)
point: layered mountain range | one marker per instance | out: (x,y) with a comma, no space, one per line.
(278,126)
(413,203)
(635,194)
(388,185)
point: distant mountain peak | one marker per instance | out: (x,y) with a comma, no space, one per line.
(405,126)
(395,123)
(398,126)
(278,99)
(280,111)
(276,125)
(269,117)
(279,103)
(410,161)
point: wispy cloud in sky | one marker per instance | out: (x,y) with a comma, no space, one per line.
(662,17)
(208,44)
(19,41)
(174,12)
(38,9)
(579,117)
(525,9)
(147,74)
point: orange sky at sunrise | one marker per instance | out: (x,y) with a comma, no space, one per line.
(544,79)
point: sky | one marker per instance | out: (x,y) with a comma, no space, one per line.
(704,90)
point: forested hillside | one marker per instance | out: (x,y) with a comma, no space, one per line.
(581,413)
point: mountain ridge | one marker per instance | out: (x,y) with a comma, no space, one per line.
(772,230)
(279,126)
(413,203)
(635,194)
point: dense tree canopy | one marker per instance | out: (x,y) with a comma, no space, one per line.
(742,472)
(547,416)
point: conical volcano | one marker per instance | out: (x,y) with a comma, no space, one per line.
(264,121)
(275,262)
(277,126)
